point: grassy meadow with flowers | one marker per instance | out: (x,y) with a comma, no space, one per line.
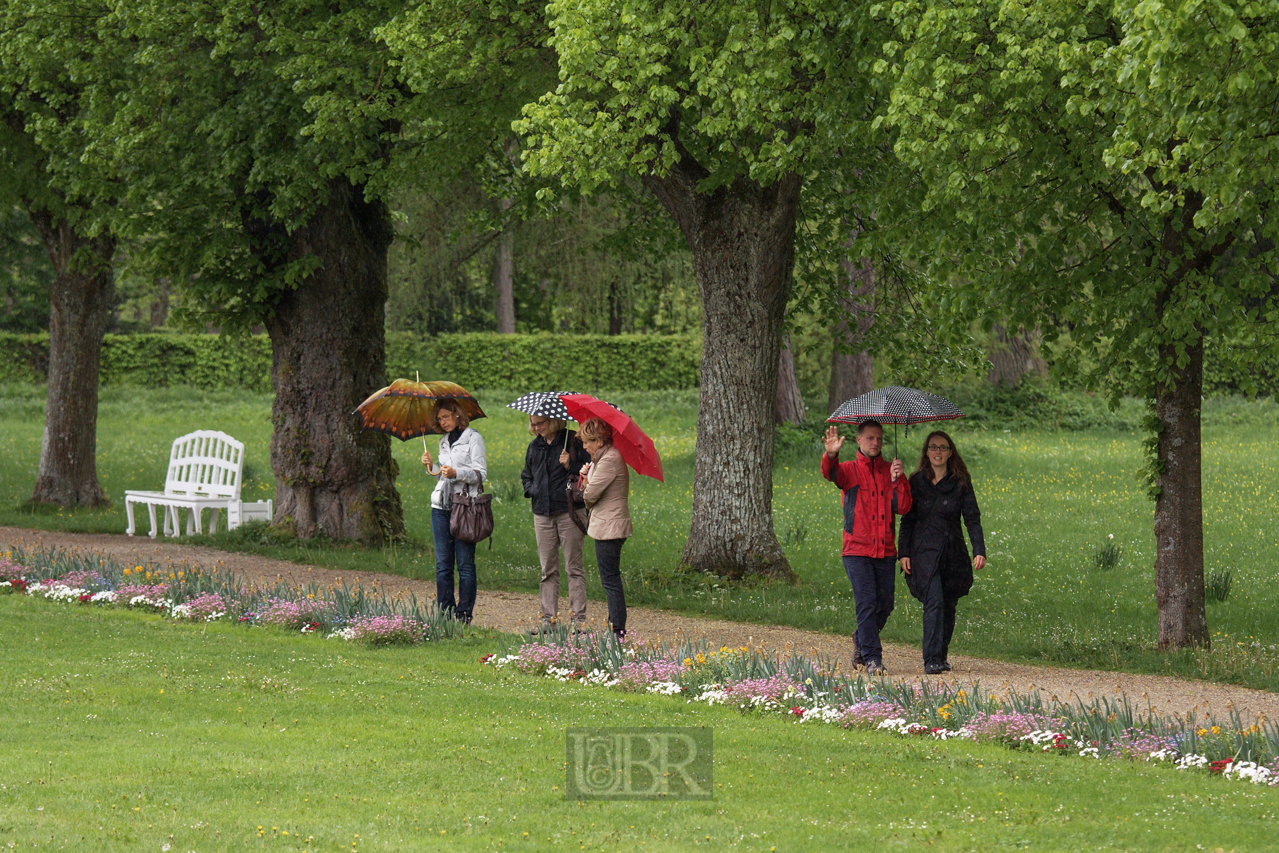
(128,731)
(1068,526)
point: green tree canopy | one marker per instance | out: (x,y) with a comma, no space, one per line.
(1063,193)
(726,112)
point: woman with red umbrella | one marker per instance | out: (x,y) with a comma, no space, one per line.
(606,489)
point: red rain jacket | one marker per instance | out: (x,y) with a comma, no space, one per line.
(871,499)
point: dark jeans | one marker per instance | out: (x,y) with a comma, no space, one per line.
(873,588)
(447,550)
(608,554)
(939,621)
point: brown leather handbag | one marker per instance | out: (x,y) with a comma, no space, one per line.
(471,519)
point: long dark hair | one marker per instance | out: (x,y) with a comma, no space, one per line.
(955,464)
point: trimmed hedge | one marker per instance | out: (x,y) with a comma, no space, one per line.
(480,360)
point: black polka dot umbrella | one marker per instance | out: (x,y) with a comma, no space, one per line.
(543,404)
(896,405)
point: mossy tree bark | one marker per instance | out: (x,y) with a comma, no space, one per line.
(742,238)
(328,354)
(83,293)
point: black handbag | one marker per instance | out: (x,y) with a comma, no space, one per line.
(471,519)
(577,506)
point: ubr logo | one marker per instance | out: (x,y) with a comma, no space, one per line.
(639,763)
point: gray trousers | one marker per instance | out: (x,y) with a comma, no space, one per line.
(555,533)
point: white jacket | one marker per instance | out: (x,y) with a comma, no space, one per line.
(468,457)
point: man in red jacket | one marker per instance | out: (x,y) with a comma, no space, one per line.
(874,492)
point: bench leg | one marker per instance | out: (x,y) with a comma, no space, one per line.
(128,511)
(171,521)
(213,520)
(154,528)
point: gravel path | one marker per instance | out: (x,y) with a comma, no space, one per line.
(512,611)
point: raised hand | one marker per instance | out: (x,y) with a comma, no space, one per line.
(897,469)
(564,458)
(833,440)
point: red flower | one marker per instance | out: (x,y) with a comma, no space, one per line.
(797,711)
(488,657)
(1219,767)
(86,598)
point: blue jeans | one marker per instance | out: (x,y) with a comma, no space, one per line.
(608,556)
(874,585)
(447,549)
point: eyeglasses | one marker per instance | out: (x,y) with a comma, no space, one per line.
(932,448)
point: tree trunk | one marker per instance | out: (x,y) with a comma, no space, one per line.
(851,365)
(83,293)
(504,276)
(1179,563)
(790,403)
(1013,357)
(160,302)
(329,353)
(614,306)
(504,256)
(742,239)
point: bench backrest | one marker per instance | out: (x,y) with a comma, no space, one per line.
(205,462)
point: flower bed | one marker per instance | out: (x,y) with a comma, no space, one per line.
(801,690)
(197,596)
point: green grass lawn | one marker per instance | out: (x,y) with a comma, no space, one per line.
(1049,500)
(128,732)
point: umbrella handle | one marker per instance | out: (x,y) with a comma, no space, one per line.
(426,449)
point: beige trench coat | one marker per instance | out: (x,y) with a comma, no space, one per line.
(607,495)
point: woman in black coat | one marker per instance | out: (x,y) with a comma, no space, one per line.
(931,545)
(554,457)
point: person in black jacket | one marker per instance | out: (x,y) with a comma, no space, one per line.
(554,457)
(931,545)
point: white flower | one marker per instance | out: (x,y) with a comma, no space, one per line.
(712,695)
(666,688)
(823,714)
(64,593)
(107,595)
(1249,771)
(342,634)
(600,676)
(1188,761)
(1162,755)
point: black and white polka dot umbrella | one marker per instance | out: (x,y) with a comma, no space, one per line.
(896,405)
(543,404)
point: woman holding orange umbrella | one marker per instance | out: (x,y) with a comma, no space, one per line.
(463,467)
(407,409)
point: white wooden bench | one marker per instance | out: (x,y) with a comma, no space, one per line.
(205,468)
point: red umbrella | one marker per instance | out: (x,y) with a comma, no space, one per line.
(636,447)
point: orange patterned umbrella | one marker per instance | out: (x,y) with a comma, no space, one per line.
(406,409)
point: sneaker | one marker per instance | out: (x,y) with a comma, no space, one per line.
(875,668)
(858,663)
(539,630)
(934,668)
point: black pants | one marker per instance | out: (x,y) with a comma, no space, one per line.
(873,590)
(608,554)
(939,620)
